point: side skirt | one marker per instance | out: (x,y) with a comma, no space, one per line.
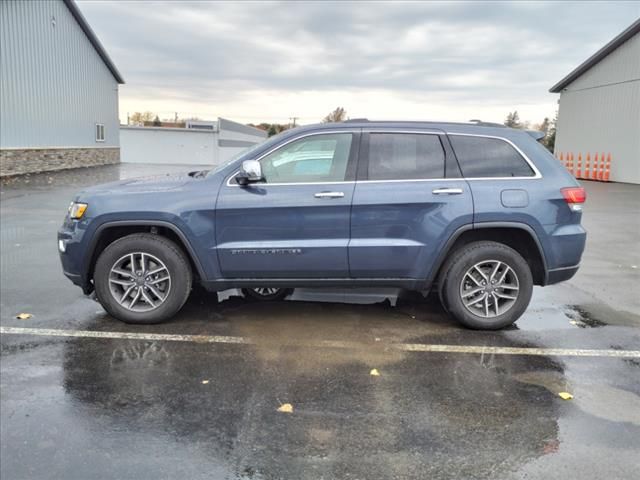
(406,283)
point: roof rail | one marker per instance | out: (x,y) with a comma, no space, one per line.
(486,124)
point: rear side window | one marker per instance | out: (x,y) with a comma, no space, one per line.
(482,157)
(405,156)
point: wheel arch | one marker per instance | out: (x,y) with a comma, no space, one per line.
(108,232)
(519,236)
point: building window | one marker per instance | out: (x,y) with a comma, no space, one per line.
(99,132)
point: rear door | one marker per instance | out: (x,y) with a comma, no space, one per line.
(295,224)
(409,198)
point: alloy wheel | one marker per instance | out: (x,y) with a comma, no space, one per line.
(139,282)
(489,288)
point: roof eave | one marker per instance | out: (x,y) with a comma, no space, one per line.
(86,28)
(629,32)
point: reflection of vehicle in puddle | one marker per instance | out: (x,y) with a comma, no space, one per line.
(470,415)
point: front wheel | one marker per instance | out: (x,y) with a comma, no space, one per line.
(142,278)
(487,285)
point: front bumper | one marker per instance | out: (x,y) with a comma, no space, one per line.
(71,249)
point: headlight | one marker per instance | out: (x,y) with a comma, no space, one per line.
(76,210)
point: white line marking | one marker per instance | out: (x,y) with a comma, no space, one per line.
(405,347)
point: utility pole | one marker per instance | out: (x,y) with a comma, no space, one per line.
(175,119)
(293,121)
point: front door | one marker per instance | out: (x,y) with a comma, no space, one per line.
(409,199)
(294,224)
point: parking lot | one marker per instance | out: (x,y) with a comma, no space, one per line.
(85,396)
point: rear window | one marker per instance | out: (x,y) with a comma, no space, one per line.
(405,156)
(482,157)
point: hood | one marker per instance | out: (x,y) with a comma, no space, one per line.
(155,183)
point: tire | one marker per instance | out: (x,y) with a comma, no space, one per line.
(462,283)
(254,294)
(171,283)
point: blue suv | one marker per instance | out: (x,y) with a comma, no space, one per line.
(479,212)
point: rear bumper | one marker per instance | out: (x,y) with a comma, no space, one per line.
(558,275)
(563,248)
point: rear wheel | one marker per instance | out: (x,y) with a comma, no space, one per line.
(142,279)
(486,285)
(267,293)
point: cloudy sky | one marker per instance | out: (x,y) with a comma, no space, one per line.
(258,61)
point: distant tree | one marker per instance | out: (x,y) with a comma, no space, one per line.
(513,120)
(544,126)
(272,130)
(550,139)
(157,122)
(338,115)
(139,118)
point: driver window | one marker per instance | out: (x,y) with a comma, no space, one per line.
(317,158)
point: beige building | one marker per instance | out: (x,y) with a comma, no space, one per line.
(600,106)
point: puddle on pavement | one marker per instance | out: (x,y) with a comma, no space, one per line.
(554,317)
(597,399)
(580,318)
(375,318)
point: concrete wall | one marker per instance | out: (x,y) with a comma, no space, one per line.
(187,146)
(54,85)
(600,112)
(20,161)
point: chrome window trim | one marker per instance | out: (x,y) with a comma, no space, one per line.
(281,145)
(537,175)
(536,172)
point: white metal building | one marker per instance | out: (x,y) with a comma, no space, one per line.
(600,106)
(58,90)
(189,146)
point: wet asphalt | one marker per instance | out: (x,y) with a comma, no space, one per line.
(80,408)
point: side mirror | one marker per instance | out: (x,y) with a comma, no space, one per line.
(250,172)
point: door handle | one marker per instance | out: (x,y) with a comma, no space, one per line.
(447,191)
(329,195)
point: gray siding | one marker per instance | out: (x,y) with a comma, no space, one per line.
(54,85)
(600,112)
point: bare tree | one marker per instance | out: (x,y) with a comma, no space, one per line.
(139,118)
(338,115)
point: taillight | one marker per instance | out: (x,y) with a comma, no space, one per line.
(575,197)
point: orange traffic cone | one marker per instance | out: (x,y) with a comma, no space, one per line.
(607,168)
(587,166)
(572,165)
(579,174)
(602,166)
(594,168)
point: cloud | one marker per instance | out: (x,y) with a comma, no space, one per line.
(253,60)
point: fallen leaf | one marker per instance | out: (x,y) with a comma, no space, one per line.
(565,395)
(374,372)
(24,316)
(285,408)
(204,382)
